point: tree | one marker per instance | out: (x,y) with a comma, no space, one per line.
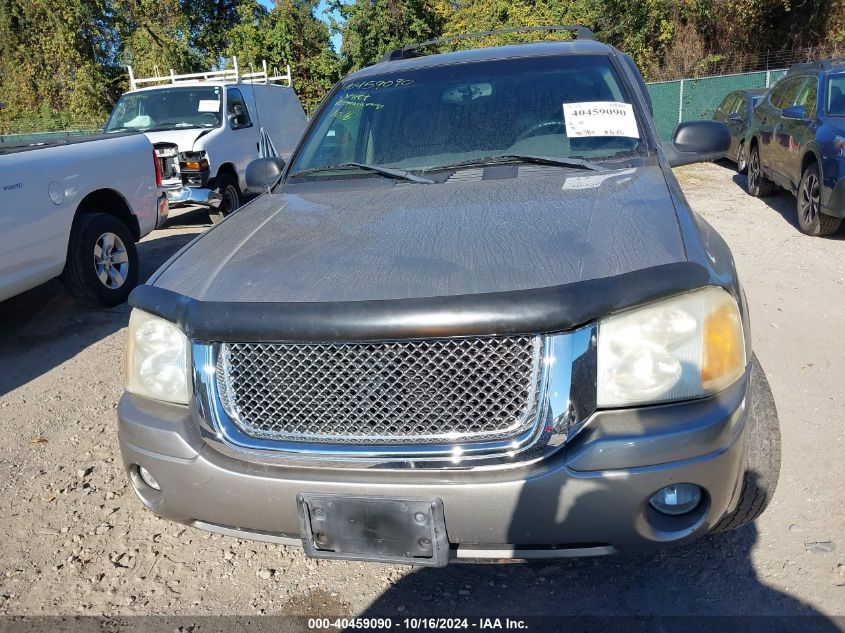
(288,34)
(155,35)
(56,63)
(370,28)
(209,25)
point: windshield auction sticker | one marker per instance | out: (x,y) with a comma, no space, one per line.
(208,105)
(600,118)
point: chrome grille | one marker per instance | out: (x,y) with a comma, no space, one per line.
(402,392)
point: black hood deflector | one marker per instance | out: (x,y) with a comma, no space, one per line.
(550,309)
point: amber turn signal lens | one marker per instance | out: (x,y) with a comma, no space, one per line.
(723,347)
(193,165)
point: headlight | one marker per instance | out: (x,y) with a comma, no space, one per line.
(157,359)
(688,346)
(193,161)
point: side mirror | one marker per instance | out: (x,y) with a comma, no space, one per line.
(263,173)
(795,112)
(697,142)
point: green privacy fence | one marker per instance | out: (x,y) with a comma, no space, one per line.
(35,138)
(691,99)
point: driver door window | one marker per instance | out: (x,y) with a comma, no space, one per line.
(807,97)
(236,110)
(784,95)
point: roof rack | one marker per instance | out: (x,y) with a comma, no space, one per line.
(580,33)
(823,64)
(263,76)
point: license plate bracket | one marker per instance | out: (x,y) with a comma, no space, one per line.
(379,529)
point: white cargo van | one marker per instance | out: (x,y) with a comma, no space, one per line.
(207,127)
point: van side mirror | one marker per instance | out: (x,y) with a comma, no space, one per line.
(263,173)
(795,112)
(697,142)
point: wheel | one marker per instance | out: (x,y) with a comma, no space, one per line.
(102,261)
(741,160)
(810,218)
(227,187)
(762,449)
(758,185)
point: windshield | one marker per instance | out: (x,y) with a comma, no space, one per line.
(167,109)
(836,95)
(564,107)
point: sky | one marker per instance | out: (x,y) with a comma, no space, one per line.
(321,13)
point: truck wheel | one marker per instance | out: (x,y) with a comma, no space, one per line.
(227,187)
(762,448)
(758,185)
(741,159)
(102,261)
(810,218)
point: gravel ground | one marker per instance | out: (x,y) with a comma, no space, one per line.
(76,541)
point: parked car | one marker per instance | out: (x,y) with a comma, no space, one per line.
(797,141)
(475,319)
(735,111)
(207,127)
(73,208)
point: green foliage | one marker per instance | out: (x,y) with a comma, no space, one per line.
(62,64)
(54,62)
(155,34)
(288,34)
(370,28)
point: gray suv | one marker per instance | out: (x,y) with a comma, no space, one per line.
(472,318)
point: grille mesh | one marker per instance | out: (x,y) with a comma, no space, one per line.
(408,392)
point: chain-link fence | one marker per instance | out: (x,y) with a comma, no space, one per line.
(691,99)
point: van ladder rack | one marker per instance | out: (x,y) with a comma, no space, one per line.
(579,32)
(263,76)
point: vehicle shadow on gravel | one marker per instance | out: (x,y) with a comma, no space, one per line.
(672,588)
(785,205)
(44,327)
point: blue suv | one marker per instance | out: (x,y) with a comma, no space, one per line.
(796,140)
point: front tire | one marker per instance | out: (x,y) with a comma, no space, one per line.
(227,187)
(102,262)
(758,185)
(811,220)
(762,450)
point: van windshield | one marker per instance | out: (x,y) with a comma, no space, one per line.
(167,109)
(557,107)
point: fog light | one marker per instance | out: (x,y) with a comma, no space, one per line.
(147,478)
(677,499)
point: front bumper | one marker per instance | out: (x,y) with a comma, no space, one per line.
(834,202)
(177,196)
(591,497)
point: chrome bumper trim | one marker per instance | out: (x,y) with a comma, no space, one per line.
(193,195)
(514,554)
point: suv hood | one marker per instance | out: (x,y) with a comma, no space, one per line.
(185,138)
(482,231)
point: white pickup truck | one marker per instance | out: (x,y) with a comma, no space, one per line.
(74,209)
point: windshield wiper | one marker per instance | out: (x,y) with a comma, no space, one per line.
(398,174)
(575,163)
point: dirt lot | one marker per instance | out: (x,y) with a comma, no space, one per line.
(77,541)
